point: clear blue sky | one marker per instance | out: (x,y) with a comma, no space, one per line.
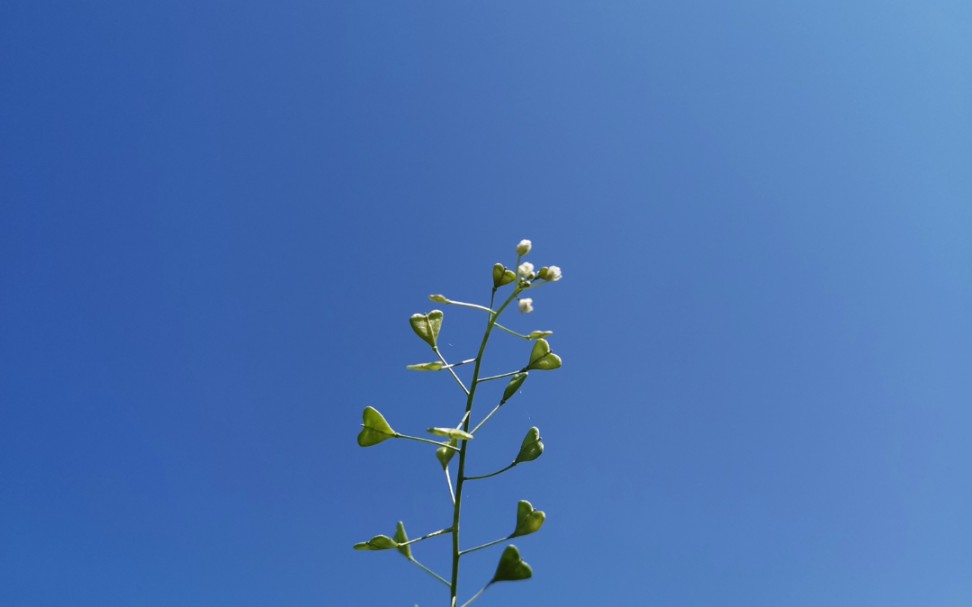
(216,218)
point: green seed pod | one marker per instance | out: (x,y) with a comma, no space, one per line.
(453,433)
(531,448)
(528,520)
(511,567)
(427,326)
(444,454)
(375,430)
(401,538)
(514,385)
(379,542)
(542,359)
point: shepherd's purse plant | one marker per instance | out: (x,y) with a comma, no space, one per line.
(508,286)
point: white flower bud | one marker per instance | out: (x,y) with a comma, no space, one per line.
(526,305)
(524,247)
(525,270)
(553,274)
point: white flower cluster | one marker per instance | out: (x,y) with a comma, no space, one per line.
(527,272)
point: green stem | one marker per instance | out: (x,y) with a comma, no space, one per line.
(430,572)
(486,545)
(425,537)
(501,375)
(486,419)
(476,596)
(491,474)
(426,440)
(461,363)
(449,367)
(512,332)
(463,304)
(463,420)
(457,508)
(452,493)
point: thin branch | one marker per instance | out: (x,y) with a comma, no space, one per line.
(426,536)
(450,369)
(486,419)
(500,376)
(430,572)
(476,596)
(452,493)
(512,332)
(463,420)
(463,304)
(486,545)
(461,363)
(426,440)
(476,478)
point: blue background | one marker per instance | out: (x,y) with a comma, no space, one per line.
(216,218)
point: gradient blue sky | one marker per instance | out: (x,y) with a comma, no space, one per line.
(216,218)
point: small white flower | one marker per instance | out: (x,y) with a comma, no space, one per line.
(525,270)
(526,305)
(553,274)
(524,247)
